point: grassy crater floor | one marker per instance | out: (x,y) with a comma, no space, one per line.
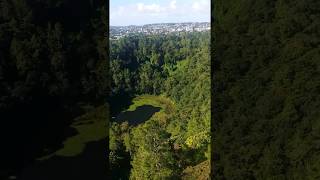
(91,126)
(144,108)
(164,103)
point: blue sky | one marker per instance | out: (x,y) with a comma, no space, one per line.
(139,12)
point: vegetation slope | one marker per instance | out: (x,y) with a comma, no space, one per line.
(266,89)
(174,67)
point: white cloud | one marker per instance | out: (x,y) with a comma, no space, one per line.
(173,4)
(152,8)
(156,8)
(201,5)
(160,11)
(196,6)
(120,10)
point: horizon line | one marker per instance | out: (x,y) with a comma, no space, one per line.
(163,23)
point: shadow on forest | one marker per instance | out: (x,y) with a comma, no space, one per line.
(141,114)
(31,129)
(119,103)
(88,165)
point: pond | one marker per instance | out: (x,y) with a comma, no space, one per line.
(139,115)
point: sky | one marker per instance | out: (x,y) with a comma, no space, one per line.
(139,12)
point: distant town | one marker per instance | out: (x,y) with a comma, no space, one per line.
(117,32)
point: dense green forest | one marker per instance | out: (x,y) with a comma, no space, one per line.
(266,89)
(55,78)
(53,66)
(174,69)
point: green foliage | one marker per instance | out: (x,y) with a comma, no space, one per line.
(266,89)
(51,64)
(152,157)
(148,59)
(189,86)
(200,171)
(119,150)
(175,70)
(50,58)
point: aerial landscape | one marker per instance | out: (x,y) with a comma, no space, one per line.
(160,101)
(54,84)
(72,110)
(162,129)
(161,89)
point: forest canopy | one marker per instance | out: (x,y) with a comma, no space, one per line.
(53,63)
(175,70)
(266,89)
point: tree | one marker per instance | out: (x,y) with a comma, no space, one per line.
(152,157)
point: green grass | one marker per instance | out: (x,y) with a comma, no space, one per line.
(91,126)
(164,103)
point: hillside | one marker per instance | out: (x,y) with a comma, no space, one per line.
(175,71)
(266,89)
